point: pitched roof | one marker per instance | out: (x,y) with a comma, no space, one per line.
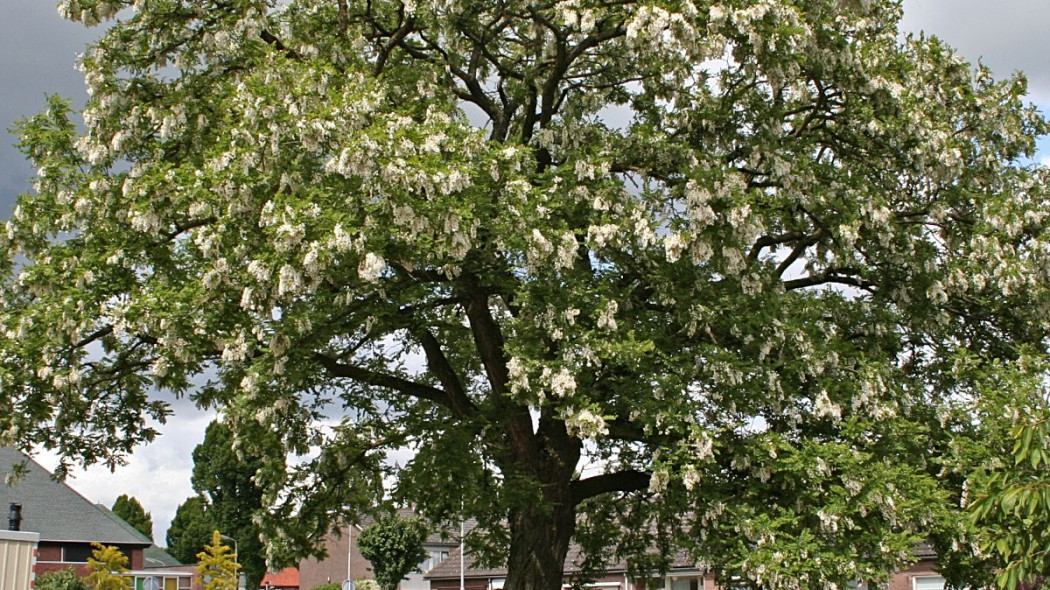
(58,512)
(154,556)
(445,535)
(449,568)
(286,578)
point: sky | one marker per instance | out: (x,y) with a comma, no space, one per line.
(37,53)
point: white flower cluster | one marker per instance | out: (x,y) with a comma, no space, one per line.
(584,423)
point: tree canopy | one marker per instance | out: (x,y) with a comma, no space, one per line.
(717,276)
(225,476)
(190,529)
(129,508)
(1009,488)
(393,544)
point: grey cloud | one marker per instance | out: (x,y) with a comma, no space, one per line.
(1005,35)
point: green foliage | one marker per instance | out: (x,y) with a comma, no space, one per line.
(190,529)
(1010,488)
(332,586)
(226,477)
(366,584)
(723,278)
(107,565)
(134,514)
(394,546)
(66,579)
(218,566)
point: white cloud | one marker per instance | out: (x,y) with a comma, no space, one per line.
(157,475)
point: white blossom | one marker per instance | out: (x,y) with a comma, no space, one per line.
(371,267)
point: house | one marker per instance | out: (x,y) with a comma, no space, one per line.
(682,575)
(68,523)
(286,579)
(345,562)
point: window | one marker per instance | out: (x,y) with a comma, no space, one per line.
(76,553)
(927,583)
(435,556)
(687,583)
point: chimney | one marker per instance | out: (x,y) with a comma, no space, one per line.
(14,518)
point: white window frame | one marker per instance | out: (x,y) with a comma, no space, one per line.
(915,580)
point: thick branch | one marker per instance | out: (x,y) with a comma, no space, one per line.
(621,481)
(442,369)
(368,377)
(830,278)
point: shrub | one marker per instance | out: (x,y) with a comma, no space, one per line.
(64,580)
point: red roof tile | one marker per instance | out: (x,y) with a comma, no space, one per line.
(286,578)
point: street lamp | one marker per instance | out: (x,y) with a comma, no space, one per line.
(236,558)
(229,538)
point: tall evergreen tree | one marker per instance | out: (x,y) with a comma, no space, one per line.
(190,530)
(226,478)
(129,508)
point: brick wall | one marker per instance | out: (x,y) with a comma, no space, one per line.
(903,580)
(332,569)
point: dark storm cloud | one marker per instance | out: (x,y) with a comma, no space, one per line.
(37,56)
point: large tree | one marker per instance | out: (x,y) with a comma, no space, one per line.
(226,478)
(646,275)
(129,508)
(190,529)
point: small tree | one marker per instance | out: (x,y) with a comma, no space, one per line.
(218,565)
(61,580)
(394,546)
(108,566)
(128,508)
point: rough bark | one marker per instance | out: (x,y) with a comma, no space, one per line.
(540,532)
(539,542)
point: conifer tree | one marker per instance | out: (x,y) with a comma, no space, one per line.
(218,566)
(107,566)
(129,508)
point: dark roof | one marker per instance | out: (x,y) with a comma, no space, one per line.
(443,535)
(154,556)
(449,568)
(56,511)
(924,551)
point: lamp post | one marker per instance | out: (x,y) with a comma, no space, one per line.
(236,558)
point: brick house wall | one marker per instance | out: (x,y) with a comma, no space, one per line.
(50,558)
(905,580)
(313,572)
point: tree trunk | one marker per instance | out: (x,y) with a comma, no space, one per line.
(539,542)
(540,531)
